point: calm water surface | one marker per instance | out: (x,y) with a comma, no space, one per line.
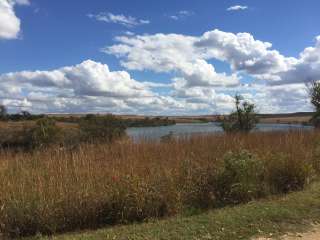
(185,129)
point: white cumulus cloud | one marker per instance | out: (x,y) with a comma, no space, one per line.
(127,21)
(237,8)
(195,85)
(88,78)
(278,83)
(188,56)
(87,87)
(169,53)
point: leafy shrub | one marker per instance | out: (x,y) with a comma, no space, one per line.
(285,174)
(241,178)
(101,129)
(45,133)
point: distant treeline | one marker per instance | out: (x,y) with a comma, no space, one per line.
(22,116)
(278,115)
(43,131)
(149,122)
(129,122)
(133,122)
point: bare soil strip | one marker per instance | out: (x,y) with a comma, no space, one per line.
(314,234)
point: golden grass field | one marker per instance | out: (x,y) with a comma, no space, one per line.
(57,190)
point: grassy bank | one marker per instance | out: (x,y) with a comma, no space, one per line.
(272,217)
(56,190)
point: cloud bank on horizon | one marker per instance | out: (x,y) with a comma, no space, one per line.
(194,84)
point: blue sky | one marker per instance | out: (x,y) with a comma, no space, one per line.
(58,34)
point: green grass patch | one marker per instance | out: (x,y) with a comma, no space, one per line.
(289,213)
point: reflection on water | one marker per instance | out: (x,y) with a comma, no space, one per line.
(183,129)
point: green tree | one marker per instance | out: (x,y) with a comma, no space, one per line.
(314,88)
(242,119)
(3,112)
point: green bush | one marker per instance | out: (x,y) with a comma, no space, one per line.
(101,129)
(240,179)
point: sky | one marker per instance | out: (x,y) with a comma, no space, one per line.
(170,57)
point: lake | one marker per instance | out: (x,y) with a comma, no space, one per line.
(185,129)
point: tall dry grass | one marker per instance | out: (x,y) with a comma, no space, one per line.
(56,190)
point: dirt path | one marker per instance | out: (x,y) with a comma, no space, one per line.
(311,235)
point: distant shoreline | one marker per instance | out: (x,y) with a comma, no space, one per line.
(280,118)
